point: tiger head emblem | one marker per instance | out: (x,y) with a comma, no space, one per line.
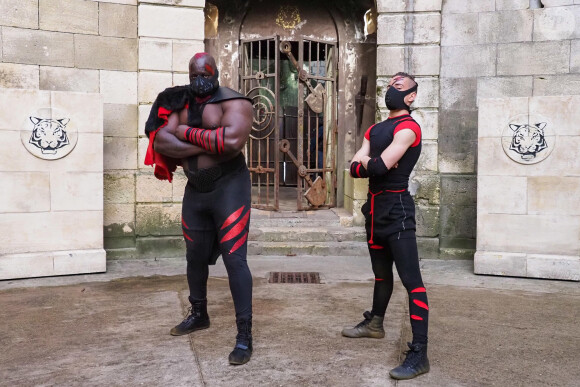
(48,134)
(528,140)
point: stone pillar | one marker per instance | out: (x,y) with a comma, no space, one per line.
(51,169)
(528,187)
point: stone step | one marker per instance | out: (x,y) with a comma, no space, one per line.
(307,234)
(349,248)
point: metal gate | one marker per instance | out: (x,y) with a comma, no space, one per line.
(292,85)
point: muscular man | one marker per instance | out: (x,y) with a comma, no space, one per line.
(387,156)
(204,127)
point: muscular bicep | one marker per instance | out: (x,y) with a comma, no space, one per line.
(401,142)
(237,122)
(169,145)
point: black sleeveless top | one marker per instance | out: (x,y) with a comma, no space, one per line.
(381,135)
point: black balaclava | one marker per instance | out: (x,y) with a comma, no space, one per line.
(395,99)
(202,87)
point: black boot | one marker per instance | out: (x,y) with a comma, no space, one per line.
(196,320)
(243,349)
(415,364)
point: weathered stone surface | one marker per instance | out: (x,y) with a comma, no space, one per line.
(151,84)
(183,51)
(28,232)
(462,6)
(505,26)
(391,6)
(460,29)
(27,192)
(494,198)
(79,106)
(457,141)
(458,222)
(528,233)
(119,87)
(76,191)
(575,57)
(186,23)
(18,76)
(557,3)
(52,263)
(458,93)
(120,120)
(500,263)
(119,221)
(80,17)
(22,13)
(149,189)
(427,94)
(155,54)
(554,266)
(128,2)
(429,121)
(458,190)
(424,60)
(158,220)
(428,248)
(562,112)
(20,102)
(426,29)
(119,187)
(425,5)
(37,47)
(468,61)
(163,247)
(503,5)
(428,159)
(495,113)
(564,160)
(427,218)
(120,153)
(144,111)
(118,20)
(180,3)
(541,58)
(391,28)
(180,79)
(425,187)
(94,52)
(503,87)
(69,79)
(564,84)
(390,60)
(558,23)
(142,144)
(553,195)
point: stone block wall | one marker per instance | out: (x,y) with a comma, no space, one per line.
(127,51)
(492,48)
(409,39)
(51,204)
(528,204)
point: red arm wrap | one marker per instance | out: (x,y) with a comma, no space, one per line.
(210,140)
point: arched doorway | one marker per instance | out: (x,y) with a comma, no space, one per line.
(287,57)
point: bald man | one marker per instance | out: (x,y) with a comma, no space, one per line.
(203,127)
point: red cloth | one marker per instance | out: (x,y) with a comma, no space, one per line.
(164,165)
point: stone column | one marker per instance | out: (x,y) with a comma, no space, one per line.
(51,169)
(528,187)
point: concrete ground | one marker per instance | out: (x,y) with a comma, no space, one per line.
(112,328)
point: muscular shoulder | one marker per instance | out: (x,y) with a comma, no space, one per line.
(242,106)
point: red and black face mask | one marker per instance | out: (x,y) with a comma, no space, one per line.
(202,86)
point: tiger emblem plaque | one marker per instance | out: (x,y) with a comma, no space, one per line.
(49,134)
(528,139)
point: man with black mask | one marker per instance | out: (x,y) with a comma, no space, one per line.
(203,127)
(388,154)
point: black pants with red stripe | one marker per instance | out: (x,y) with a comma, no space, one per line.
(390,224)
(217,222)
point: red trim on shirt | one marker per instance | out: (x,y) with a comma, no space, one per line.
(410,125)
(368,132)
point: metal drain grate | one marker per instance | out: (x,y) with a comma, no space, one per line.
(280,277)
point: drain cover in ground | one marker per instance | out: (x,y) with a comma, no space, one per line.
(280,277)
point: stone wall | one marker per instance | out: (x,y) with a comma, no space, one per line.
(51,169)
(528,196)
(127,51)
(408,39)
